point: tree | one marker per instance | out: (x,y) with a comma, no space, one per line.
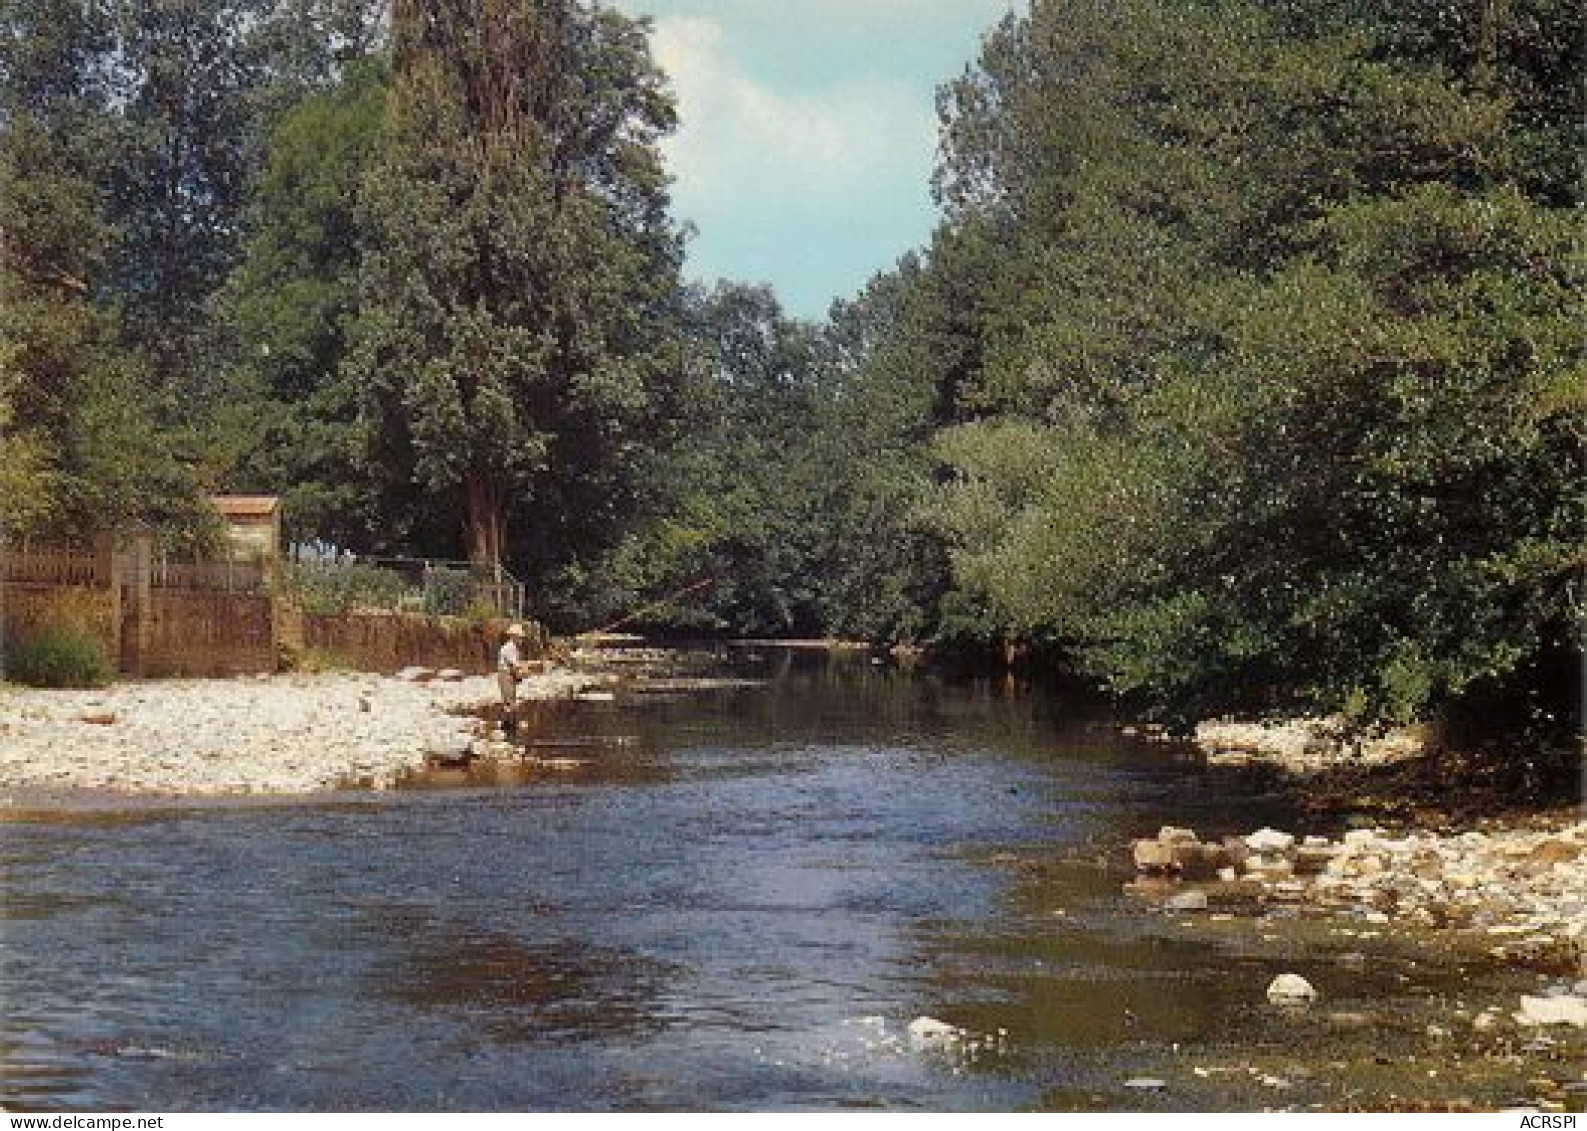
(81,448)
(1278,417)
(519,277)
(200,86)
(289,309)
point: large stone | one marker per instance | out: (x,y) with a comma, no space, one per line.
(1168,834)
(1565,1009)
(1269,867)
(1311,861)
(1270,840)
(1290,989)
(1367,866)
(1187,901)
(1199,861)
(1154,856)
(928,1032)
(1236,849)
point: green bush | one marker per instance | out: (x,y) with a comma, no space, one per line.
(330,590)
(60,655)
(448,592)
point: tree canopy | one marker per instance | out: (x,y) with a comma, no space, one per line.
(1242,370)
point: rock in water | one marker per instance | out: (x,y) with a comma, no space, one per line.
(1566,1009)
(1290,989)
(1269,840)
(1153,856)
(928,1032)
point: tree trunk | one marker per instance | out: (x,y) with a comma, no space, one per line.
(482,524)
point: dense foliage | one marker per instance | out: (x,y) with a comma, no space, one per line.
(1243,370)
(1276,399)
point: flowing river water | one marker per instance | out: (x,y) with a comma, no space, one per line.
(742,898)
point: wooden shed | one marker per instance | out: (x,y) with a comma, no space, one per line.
(253,525)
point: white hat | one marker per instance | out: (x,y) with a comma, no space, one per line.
(515,630)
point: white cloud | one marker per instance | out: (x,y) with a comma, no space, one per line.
(743,144)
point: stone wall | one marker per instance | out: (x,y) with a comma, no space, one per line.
(193,632)
(388,642)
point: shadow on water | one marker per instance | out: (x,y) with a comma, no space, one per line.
(554,991)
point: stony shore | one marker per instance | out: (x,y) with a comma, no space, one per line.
(283,734)
(1307,745)
(1514,891)
(1499,882)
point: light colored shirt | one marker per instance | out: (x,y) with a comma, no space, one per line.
(507,659)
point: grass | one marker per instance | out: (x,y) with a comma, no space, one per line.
(59,655)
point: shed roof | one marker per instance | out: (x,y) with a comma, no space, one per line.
(246,506)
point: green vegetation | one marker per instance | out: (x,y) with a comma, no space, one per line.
(1243,371)
(61,653)
(313,661)
(328,590)
(1284,408)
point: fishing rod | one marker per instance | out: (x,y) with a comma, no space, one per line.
(667,600)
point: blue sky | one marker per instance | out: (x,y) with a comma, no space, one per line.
(809,132)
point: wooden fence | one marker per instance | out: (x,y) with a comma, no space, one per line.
(29,562)
(223,575)
(165,616)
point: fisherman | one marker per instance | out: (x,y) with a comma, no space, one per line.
(510,668)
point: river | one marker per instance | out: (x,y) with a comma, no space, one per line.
(733,899)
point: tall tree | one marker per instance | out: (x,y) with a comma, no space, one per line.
(519,282)
(1277,408)
(288,311)
(82,449)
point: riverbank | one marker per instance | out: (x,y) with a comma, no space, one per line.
(1480,856)
(1488,839)
(283,734)
(1516,888)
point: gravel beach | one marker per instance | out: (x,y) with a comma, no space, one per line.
(282,734)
